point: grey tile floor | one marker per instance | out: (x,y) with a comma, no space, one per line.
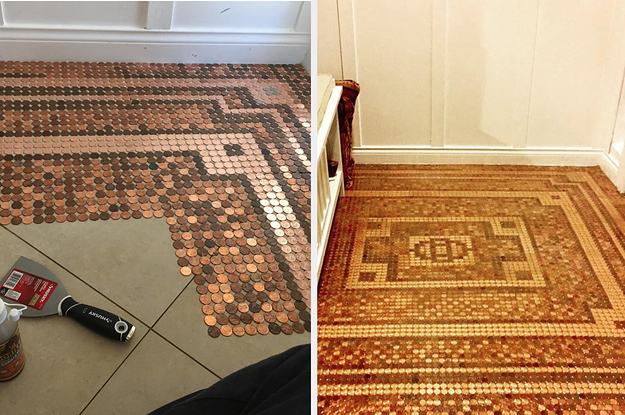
(127,267)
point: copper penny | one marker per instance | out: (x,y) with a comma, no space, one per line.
(293,316)
(201,289)
(258,318)
(262,329)
(243,308)
(208,309)
(281,317)
(274,296)
(250,329)
(219,308)
(228,298)
(238,330)
(186,271)
(210,320)
(226,331)
(298,328)
(266,307)
(216,298)
(205,299)
(286,328)
(222,319)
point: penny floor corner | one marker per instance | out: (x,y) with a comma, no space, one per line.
(177,196)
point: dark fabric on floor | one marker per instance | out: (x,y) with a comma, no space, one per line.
(277,385)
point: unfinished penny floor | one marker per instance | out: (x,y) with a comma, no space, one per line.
(464,289)
(175,195)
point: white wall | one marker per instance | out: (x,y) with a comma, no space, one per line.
(328,39)
(485,81)
(170,31)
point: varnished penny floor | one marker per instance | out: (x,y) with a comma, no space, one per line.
(474,289)
(175,195)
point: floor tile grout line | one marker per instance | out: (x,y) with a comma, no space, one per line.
(185,353)
(172,303)
(153,329)
(114,372)
(150,328)
(76,276)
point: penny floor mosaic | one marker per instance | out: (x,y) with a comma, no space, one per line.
(179,193)
(474,289)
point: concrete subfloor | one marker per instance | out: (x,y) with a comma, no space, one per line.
(129,268)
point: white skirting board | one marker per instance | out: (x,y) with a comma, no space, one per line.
(531,157)
(152,46)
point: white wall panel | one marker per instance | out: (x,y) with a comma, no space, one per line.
(488,69)
(236,15)
(570,55)
(392,43)
(104,31)
(118,14)
(518,81)
(328,40)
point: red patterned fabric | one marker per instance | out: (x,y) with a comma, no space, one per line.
(346,108)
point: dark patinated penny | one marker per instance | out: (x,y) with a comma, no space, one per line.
(246,318)
(275,328)
(298,327)
(286,328)
(304,315)
(214,332)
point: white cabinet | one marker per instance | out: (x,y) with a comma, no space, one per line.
(329,189)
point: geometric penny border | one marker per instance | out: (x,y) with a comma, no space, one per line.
(422,368)
(221,152)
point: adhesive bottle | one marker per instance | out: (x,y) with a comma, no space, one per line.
(11,351)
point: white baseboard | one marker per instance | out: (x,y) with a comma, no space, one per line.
(609,168)
(459,155)
(153,46)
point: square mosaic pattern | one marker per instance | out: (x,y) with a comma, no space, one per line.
(467,289)
(446,251)
(219,152)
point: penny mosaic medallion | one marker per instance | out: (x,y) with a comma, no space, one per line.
(219,152)
(467,289)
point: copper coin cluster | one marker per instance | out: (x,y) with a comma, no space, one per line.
(220,152)
(474,289)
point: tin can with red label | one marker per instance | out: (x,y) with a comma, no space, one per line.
(11,350)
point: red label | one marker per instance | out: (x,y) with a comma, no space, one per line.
(11,357)
(27,289)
